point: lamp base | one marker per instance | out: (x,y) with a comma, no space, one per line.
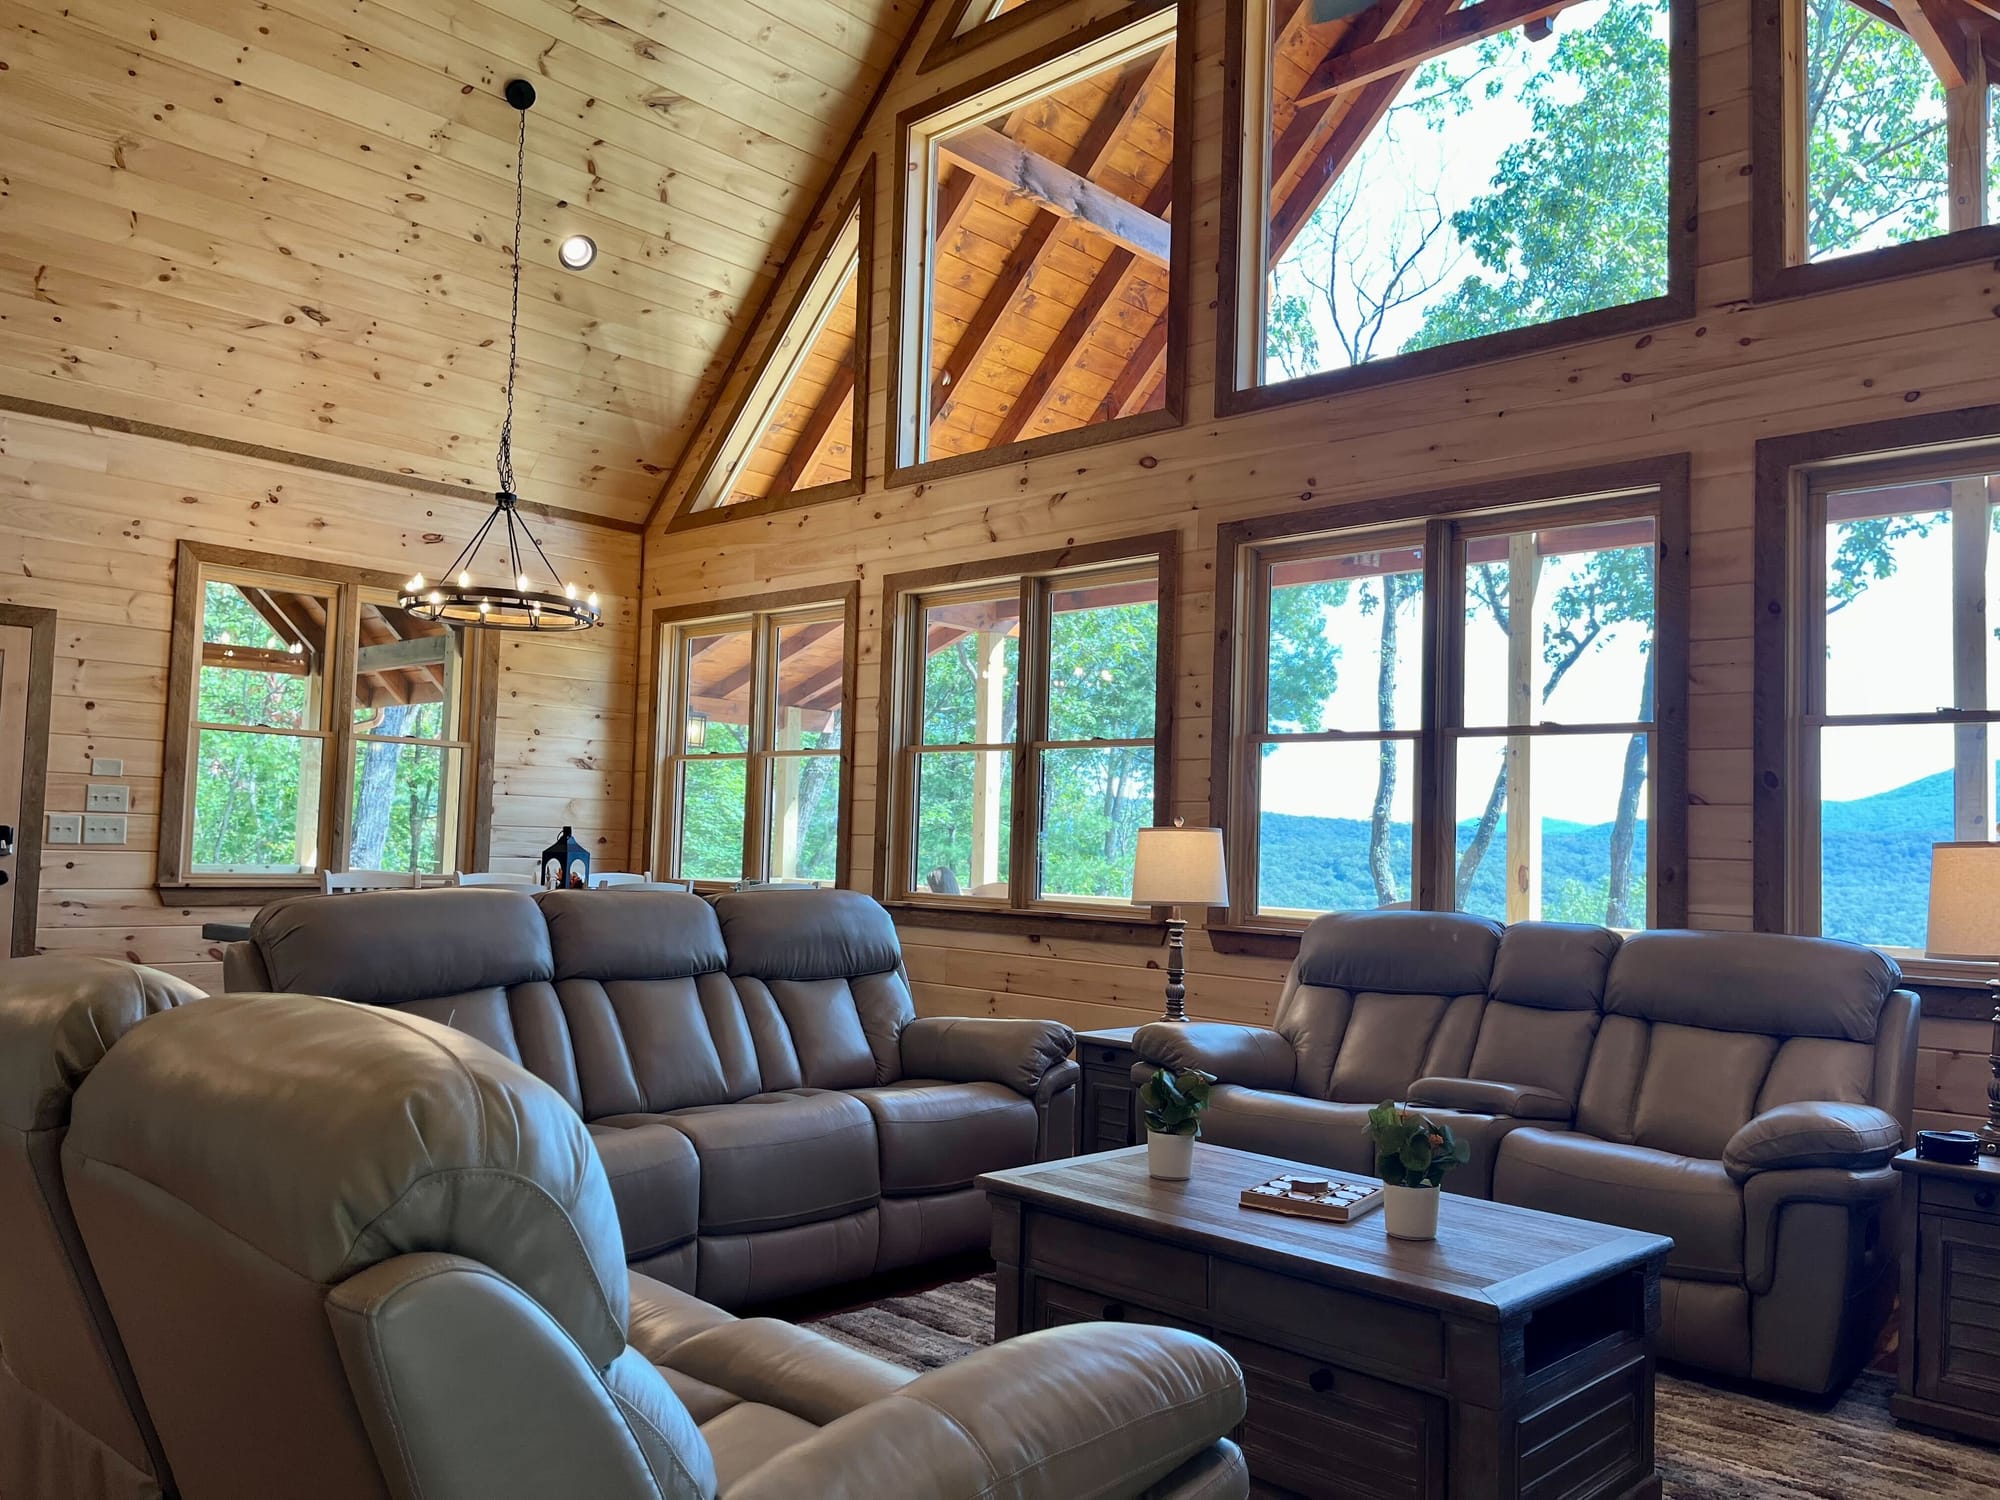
(1176,968)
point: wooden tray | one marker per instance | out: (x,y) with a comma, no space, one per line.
(1337,1199)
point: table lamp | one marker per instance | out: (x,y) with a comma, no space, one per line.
(1965,924)
(1176,867)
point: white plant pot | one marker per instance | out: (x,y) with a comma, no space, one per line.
(1410,1213)
(1169,1157)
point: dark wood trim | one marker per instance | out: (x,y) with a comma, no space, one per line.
(1677,303)
(1045,921)
(1255,942)
(1780,461)
(1772,276)
(188,438)
(1163,549)
(481,656)
(651,853)
(949,48)
(860,200)
(41,627)
(1660,485)
(1180,271)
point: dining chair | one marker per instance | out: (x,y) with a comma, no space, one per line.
(338,882)
(503,882)
(600,879)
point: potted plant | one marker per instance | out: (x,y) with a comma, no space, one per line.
(1173,1103)
(1412,1154)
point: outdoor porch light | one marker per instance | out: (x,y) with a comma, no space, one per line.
(697,730)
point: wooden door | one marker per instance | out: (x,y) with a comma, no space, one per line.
(16,649)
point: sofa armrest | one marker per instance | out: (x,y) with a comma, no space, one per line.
(1255,1057)
(965,1049)
(1819,1133)
(1858,1198)
(1105,1409)
(1481,1096)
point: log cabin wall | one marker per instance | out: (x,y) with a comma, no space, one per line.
(1710,387)
(89,520)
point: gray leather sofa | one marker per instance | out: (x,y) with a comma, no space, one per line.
(354,1253)
(773,1115)
(1742,1093)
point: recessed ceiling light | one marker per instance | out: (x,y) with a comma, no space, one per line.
(576,252)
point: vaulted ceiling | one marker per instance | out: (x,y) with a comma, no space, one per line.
(285,222)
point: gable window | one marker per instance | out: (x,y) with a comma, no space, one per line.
(798,432)
(752,772)
(1460,701)
(315,726)
(1036,279)
(1028,712)
(1423,183)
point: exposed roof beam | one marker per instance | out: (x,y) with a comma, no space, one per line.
(732,683)
(1934,26)
(1127,393)
(254,659)
(821,427)
(1060,191)
(1420,42)
(417,651)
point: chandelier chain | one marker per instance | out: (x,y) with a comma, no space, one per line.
(506,453)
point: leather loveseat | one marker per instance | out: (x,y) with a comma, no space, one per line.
(354,1254)
(1741,1093)
(773,1116)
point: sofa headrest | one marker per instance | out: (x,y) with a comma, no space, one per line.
(331,1136)
(1399,952)
(1553,965)
(387,947)
(617,934)
(59,1015)
(1752,981)
(807,934)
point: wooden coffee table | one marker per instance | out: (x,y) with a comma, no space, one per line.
(1512,1356)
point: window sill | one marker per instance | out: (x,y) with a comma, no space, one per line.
(232,895)
(1246,941)
(1072,924)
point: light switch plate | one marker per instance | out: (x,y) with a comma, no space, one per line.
(65,828)
(101,797)
(105,765)
(104,828)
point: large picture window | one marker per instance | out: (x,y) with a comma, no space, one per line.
(1029,712)
(1419,175)
(315,726)
(755,700)
(1468,700)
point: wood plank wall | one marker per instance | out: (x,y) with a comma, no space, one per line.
(1710,386)
(88,525)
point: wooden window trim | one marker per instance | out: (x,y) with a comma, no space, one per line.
(1237,318)
(859,204)
(1919,447)
(481,660)
(1657,486)
(900,685)
(910,281)
(1777,177)
(660,817)
(41,627)
(949,45)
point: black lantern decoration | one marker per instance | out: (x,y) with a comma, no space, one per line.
(565,863)
(521,602)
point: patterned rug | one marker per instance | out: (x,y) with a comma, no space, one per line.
(1714,1443)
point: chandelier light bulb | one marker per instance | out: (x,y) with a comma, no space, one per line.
(484,607)
(297,648)
(465,580)
(416,584)
(521,582)
(569,591)
(591,601)
(436,597)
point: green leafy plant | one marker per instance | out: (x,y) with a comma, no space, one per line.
(1174,1100)
(1413,1150)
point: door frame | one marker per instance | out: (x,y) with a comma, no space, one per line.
(41,627)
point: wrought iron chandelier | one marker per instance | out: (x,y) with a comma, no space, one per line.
(455,598)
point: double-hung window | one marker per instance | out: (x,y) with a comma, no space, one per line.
(1460,701)
(1029,713)
(755,703)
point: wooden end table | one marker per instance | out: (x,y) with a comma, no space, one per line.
(1948,1369)
(1107,1102)
(1511,1356)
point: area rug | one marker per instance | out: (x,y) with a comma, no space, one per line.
(1714,1443)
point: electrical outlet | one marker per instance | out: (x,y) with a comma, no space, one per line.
(65,828)
(104,828)
(105,765)
(101,798)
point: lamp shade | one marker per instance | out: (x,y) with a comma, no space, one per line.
(1965,901)
(1180,867)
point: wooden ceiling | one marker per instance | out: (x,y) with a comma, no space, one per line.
(285,222)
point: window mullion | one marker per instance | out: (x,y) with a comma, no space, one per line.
(1031,728)
(1443,699)
(1972,812)
(340,683)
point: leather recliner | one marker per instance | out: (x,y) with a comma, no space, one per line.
(773,1115)
(354,1253)
(71,1421)
(1741,1093)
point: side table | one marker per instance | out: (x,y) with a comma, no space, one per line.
(1949,1368)
(1107,1103)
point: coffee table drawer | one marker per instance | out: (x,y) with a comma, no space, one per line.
(1057,1305)
(1382,1334)
(1090,1256)
(1321,1432)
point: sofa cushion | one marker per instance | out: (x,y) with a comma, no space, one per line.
(934,1137)
(1692,1201)
(1535,1047)
(387,947)
(1392,1040)
(826,1033)
(1553,965)
(1399,952)
(1285,1125)
(1698,1088)
(749,1434)
(655,1181)
(807,934)
(1752,981)
(625,934)
(643,1046)
(775,1160)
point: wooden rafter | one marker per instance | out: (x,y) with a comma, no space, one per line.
(1128,392)
(1418,43)
(820,430)
(1935,26)
(1057,189)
